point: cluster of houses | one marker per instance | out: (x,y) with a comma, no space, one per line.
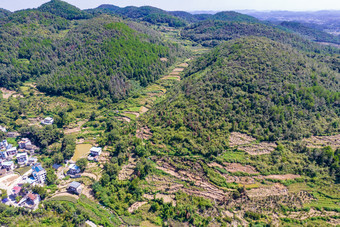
(28,199)
(8,154)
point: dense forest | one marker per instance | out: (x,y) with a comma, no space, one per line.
(145,13)
(203,119)
(254,85)
(83,57)
(310,32)
(212,33)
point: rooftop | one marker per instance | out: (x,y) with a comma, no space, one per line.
(31,196)
(16,189)
(75,184)
(37,168)
(8,163)
(96,149)
(74,166)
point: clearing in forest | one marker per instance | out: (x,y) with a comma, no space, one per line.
(236,139)
(258,148)
(322,141)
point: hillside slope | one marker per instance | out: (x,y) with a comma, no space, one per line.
(254,85)
(63,9)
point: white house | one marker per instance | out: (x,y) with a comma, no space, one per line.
(73,169)
(24,142)
(75,187)
(47,121)
(96,151)
(3,128)
(32,161)
(12,151)
(3,155)
(4,145)
(39,173)
(8,165)
(22,158)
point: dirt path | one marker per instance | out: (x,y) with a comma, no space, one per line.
(123,119)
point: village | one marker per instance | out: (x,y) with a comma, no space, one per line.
(21,173)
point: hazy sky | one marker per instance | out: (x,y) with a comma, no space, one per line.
(191,5)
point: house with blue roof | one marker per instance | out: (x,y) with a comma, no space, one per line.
(73,169)
(39,173)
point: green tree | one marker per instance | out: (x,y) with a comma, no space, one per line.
(82,163)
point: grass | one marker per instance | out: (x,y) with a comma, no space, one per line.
(21,171)
(63,198)
(234,156)
(171,78)
(131,116)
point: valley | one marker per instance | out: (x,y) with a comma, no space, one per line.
(142,117)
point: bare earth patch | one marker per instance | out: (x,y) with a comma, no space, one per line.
(75,129)
(258,149)
(127,170)
(7,93)
(144,133)
(135,206)
(204,188)
(143,109)
(166,198)
(183,65)
(283,177)
(236,139)
(123,119)
(178,70)
(276,189)
(322,141)
(235,167)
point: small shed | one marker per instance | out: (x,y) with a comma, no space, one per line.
(75,187)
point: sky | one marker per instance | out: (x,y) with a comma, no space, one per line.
(191,5)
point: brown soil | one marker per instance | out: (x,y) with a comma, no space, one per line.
(283,177)
(206,189)
(166,198)
(239,180)
(88,192)
(322,141)
(236,139)
(174,73)
(127,170)
(76,129)
(163,59)
(276,189)
(178,70)
(123,119)
(8,93)
(258,149)
(144,133)
(65,194)
(135,206)
(183,65)
(235,167)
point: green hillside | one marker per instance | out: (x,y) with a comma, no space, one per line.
(213,33)
(63,9)
(100,57)
(149,14)
(310,33)
(253,85)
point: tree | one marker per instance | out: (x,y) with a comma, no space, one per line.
(82,163)
(50,177)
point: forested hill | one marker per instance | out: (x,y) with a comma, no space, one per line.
(4,13)
(100,57)
(212,33)
(253,85)
(149,14)
(310,33)
(63,9)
